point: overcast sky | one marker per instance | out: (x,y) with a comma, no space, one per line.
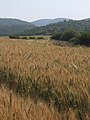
(30,10)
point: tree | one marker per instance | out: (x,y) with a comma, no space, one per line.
(68,34)
(84,39)
(81,39)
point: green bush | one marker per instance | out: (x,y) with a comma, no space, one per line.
(24,37)
(32,37)
(40,37)
(73,40)
(65,36)
(56,36)
(82,39)
(14,37)
(68,34)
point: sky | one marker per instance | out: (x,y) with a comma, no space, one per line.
(31,10)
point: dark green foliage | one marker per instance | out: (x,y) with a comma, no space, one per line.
(65,36)
(73,41)
(82,39)
(40,37)
(24,37)
(56,36)
(68,34)
(31,37)
(13,26)
(81,26)
(14,37)
(73,37)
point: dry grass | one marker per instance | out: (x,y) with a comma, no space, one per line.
(16,108)
(66,69)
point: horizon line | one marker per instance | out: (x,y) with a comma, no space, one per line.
(22,19)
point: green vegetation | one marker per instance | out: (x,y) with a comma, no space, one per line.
(13,26)
(24,37)
(68,34)
(79,26)
(40,37)
(73,41)
(65,36)
(27,37)
(56,36)
(32,37)
(82,39)
(44,22)
(14,37)
(73,37)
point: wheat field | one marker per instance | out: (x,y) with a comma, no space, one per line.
(43,81)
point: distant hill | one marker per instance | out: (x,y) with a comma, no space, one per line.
(80,25)
(44,22)
(13,26)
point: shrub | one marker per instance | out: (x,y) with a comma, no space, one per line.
(24,37)
(68,34)
(40,37)
(32,37)
(73,40)
(82,39)
(14,37)
(56,36)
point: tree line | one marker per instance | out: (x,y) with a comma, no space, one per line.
(73,37)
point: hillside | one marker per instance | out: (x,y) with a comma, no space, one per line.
(44,22)
(80,25)
(13,26)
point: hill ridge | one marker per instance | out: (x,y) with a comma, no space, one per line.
(10,26)
(44,22)
(78,25)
